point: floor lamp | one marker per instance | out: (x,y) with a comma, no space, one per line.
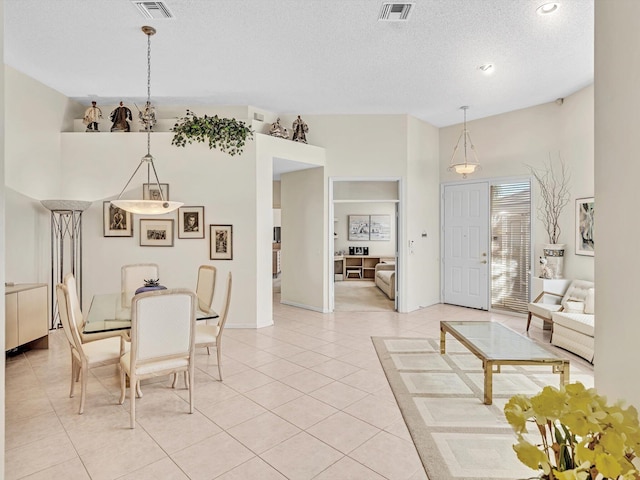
(66,246)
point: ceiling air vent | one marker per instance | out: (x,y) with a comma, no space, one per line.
(152,9)
(395,12)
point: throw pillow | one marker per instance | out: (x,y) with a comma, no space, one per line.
(574,307)
(590,301)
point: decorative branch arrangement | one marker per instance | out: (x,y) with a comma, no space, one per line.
(554,191)
(225,134)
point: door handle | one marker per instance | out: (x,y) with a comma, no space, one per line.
(483,262)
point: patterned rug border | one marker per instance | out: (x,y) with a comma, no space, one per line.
(432,460)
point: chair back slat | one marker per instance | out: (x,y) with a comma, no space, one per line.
(67,318)
(225,306)
(74,301)
(206,286)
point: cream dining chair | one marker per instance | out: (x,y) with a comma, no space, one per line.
(133,276)
(84,356)
(210,334)
(162,341)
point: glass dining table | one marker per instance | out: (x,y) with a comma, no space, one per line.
(107,313)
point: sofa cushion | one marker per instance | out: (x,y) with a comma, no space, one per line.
(577,292)
(574,307)
(579,322)
(385,275)
(590,301)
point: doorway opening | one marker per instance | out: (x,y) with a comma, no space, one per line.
(364,240)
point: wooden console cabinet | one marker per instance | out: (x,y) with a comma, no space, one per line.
(365,265)
(26,315)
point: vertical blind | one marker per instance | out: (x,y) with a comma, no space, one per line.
(510,246)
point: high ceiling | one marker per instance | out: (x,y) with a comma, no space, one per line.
(309,56)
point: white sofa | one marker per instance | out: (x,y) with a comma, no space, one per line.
(572,320)
(385,278)
(573,329)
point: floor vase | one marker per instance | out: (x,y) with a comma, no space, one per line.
(554,254)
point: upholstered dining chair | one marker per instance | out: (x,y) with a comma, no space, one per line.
(84,356)
(133,276)
(162,341)
(206,286)
(70,282)
(210,334)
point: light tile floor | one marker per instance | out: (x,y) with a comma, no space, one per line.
(303,399)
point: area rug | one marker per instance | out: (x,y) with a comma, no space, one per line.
(457,436)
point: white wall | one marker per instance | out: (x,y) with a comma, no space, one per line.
(617,69)
(507,143)
(304,245)
(2,235)
(38,114)
(421,278)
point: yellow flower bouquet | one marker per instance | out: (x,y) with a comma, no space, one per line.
(582,437)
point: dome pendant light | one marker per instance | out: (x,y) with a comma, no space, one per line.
(147,207)
(466,167)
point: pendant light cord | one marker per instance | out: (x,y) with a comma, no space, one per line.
(148,158)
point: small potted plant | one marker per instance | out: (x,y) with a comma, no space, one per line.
(226,134)
(581,436)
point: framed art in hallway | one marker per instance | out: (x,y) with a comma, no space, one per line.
(585,226)
(150,191)
(116,222)
(380,227)
(358,227)
(156,232)
(191,222)
(221,247)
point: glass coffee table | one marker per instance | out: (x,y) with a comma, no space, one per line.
(497,345)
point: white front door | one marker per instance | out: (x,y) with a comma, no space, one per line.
(465,245)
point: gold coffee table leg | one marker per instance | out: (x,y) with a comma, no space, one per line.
(488,382)
(442,340)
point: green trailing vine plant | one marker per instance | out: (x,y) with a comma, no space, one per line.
(225,134)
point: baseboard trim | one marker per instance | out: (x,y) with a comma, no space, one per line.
(306,307)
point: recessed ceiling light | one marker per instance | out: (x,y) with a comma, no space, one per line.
(487,68)
(547,8)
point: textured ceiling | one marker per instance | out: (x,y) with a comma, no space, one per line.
(309,56)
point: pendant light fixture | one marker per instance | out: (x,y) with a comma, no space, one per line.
(147,207)
(466,167)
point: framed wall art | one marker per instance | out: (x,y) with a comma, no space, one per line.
(221,238)
(585,226)
(150,191)
(380,227)
(191,222)
(358,227)
(156,232)
(116,222)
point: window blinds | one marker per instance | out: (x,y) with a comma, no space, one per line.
(510,246)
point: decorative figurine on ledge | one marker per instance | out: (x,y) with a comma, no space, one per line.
(119,118)
(299,130)
(91,117)
(147,116)
(278,130)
